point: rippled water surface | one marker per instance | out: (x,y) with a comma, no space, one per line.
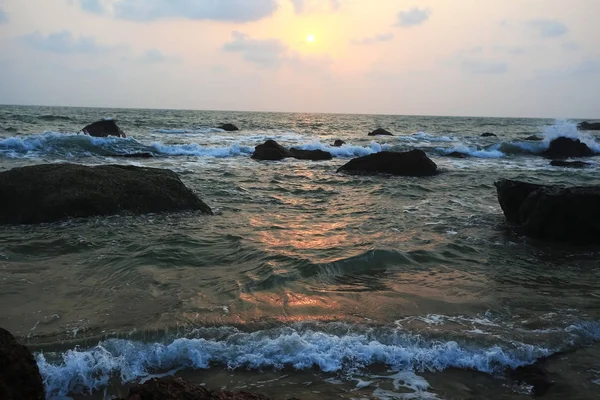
(304,267)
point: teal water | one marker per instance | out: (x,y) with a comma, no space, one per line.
(304,267)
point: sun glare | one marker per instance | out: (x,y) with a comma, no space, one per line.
(310,38)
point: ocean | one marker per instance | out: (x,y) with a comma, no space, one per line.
(307,283)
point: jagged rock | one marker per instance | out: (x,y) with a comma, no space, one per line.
(53,192)
(569,164)
(314,155)
(229,127)
(588,126)
(552,212)
(338,143)
(104,128)
(564,147)
(172,388)
(409,163)
(273,151)
(19,374)
(380,132)
(488,134)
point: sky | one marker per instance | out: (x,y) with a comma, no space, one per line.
(520,58)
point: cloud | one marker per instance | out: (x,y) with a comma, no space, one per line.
(313,6)
(384,37)
(586,68)
(570,46)
(413,17)
(216,10)
(63,42)
(547,28)
(3,17)
(155,56)
(483,67)
(268,53)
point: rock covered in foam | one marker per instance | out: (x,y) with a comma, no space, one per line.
(103,128)
(409,163)
(552,212)
(380,132)
(564,147)
(19,374)
(172,388)
(53,192)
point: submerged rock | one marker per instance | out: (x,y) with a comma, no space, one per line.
(564,147)
(552,212)
(488,134)
(172,388)
(588,126)
(457,154)
(569,164)
(409,163)
(273,151)
(53,192)
(229,127)
(534,138)
(338,143)
(133,155)
(19,374)
(380,132)
(104,128)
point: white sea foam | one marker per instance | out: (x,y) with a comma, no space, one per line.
(425,137)
(86,370)
(346,150)
(491,152)
(568,129)
(200,151)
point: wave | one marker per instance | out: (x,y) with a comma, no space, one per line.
(200,151)
(569,129)
(491,152)
(346,150)
(425,137)
(79,371)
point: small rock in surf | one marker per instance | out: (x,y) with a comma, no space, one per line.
(103,128)
(338,143)
(409,163)
(564,147)
(380,132)
(229,127)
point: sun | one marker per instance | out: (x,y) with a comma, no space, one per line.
(310,38)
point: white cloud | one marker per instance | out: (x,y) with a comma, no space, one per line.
(547,28)
(413,17)
(63,42)
(384,37)
(267,53)
(312,6)
(3,17)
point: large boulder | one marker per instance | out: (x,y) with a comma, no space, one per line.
(229,127)
(19,374)
(380,132)
(588,126)
(273,151)
(564,147)
(172,388)
(552,212)
(53,192)
(409,163)
(104,128)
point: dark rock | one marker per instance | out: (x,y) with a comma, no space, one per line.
(273,151)
(172,388)
(380,132)
(569,164)
(552,212)
(488,134)
(53,192)
(104,128)
(19,374)
(564,147)
(229,127)
(314,155)
(534,375)
(270,151)
(133,155)
(534,138)
(338,143)
(588,126)
(410,163)
(456,154)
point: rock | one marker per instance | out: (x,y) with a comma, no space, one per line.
(588,126)
(410,163)
(569,164)
(488,134)
(273,151)
(456,154)
(534,138)
(19,374)
(534,375)
(380,132)
(133,155)
(564,147)
(229,127)
(270,151)
(172,388)
(104,128)
(314,155)
(53,192)
(338,143)
(552,212)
